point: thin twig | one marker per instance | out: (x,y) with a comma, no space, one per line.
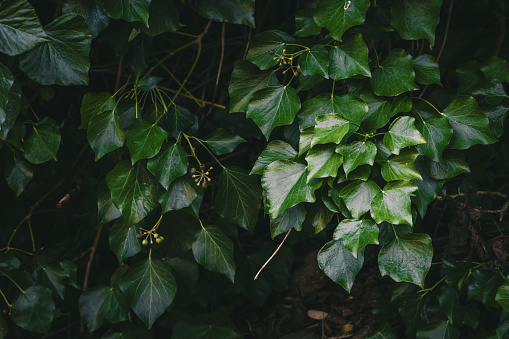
(247,44)
(273,254)
(219,69)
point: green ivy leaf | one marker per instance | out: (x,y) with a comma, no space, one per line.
(151,287)
(470,125)
(144,139)
(246,80)
(414,19)
(178,119)
(361,173)
(169,165)
(10,112)
(329,128)
(221,141)
(94,104)
(407,258)
(337,17)
(483,286)
(392,204)
(379,112)
(6,82)
(401,167)
(358,196)
(356,234)
(233,11)
(105,133)
(502,296)
(285,183)
(214,251)
(292,217)
(339,264)
(18,174)
(323,162)
(106,210)
(395,75)
(320,216)
(305,138)
(496,69)
(402,133)
(103,303)
(129,10)
(428,188)
(180,194)
(502,329)
(91,11)
(314,61)
(384,333)
(453,164)
(438,133)
(273,106)
(42,145)
(438,329)
(148,83)
(264,42)
(20,28)
(54,276)
(356,154)
(163,17)
(35,308)
(427,70)
(123,241)
(276,150)
(133,191)
(349,58)
(64,59)
(306,26)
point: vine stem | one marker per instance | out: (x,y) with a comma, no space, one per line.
(12,280)
(206,148)
(273,254)
(5,298)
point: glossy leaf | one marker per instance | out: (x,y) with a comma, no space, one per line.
(414,19)
(407,258)
(178,119)
(392,204)
(43,144)
(105,133)
(232,11)
(401,167)
(91,11)
(221,141)
(427,70)
(6,82)
(163,17)
(314,61)
(103,303)
(148,83)
(151,287)
(291,218)
(34,308)
(17,174)
(339,264)
(402,133)
(438,329)
(323,162)
(453,163)
(337,17)
(214,250)
(129,10)
(169,165)
(123,241)
(483,286)
(349,58)
(495,68)
(262,43)
(306,26)
(394,75)
(437,132)
(356,154)
(305,138)
(356,234)
(106,210)
(144,139)
(502,296)
(276,150)
(358,196)
(94,104)
(428,190)
(379,112)
(181,193)
(329,128)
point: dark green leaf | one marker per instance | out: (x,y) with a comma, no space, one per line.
(233,11)
(401,167)
(358,196)
(379,112)
(169,165)
(384,333)
(305,138)
(401,104)
(91,11)
(18,174)
(320,216)
(395,75)
(453,164)
(264,42)
(10,112)
(502,296)
(95,104)
(438,329)
(221,141)
(105,133)
(323,162)
(427,70)
(305,24)
(6,82)
(276,150)
(34,308)
(129,10)
(148,83)
(503,329)
(163,17)
(437,132)
(54,276)
(414,19)
(291,218)
(349,58)
(17,133)
(337,16)
(178,119)
(144,139)
(123,241)
(402,133)
(178,229)
(180,194)
(106,210)
(42,145)
(314,61)
(495,68)
(392,204)
(483,286)
(411,309)
(103,303)
(356,234)
(356,154)
(329,128)
(458,313)
(428,188)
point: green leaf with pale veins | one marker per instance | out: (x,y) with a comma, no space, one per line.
(64,59)
(470,125)
(180,194)
(502,296)
(134,191)
(94,104)
(103,303)
(401,166)
(6,82)
(239,197)
(291,218)
(356,154)
(144,139)
(339,264)
(246,80)
(169,165)
(394,75)
(453,163)
(214,250)
(379,112)
(320,216)
(233,11)
(356,234)
(402,133)
(337,16)
(427,70)
(262,43)
(329,128)
(415,19)
(276,150)
(495,68)
(178,119)
(129,10)
(221,141)
(273,106)
(17,174)
(349,58)
(35,309)
(407,258)
(305,24)
(323,162)
(106,210)
(105,133)
(305,138)
(151,287)
(358,196)
(123,241)
(20,28)
(285,183)
(437,132)
(42,145)
(392,204)
(314,61)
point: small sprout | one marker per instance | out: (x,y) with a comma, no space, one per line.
(159,240)
(144,242)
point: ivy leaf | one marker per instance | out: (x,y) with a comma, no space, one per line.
(163,17)
(6,82)
(306,26)
(358,196)
(356,234)
(428,188)
(314,61)
(10,112)
(292,217)
(236,12)
(106,210)
(329,128)
(438,133)
(221,141)
(103,303)
(453,164)
(402,133)
(339,264)
(470,125)
(401,167)
(337,17)
(64,59)
(180,194)
(305,138)
(427,70)
(495,68)
(35,308)
(94,104)
(379,112)
(238,198)
(18,174)
(151,287)
(264,42)
(407,258)
(123,241)
(53,276)
(133,191)
(129,10)
(276,150)
(323,162)
(273,106)
(20,28)
(392,204)
(349,58)
(42,145)
(214,250)
(415,20)
(395,75)
(285,183)
(356,154)
(169,165)
(91,11)
(178,119)
(144,139)
(105,133)
(148,83)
